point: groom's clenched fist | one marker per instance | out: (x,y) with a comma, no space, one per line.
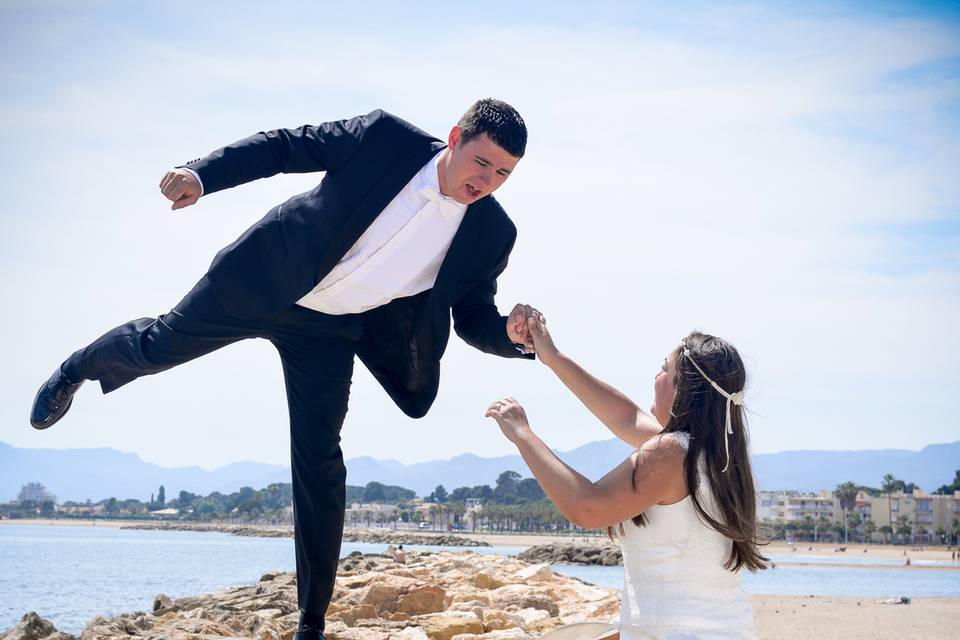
(182,187)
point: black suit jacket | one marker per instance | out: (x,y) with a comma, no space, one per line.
(368,160)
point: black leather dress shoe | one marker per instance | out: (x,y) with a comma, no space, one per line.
(53,400)
(308,633)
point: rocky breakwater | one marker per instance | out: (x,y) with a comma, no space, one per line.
(607,555)
(400,537)
(437,596)
(250,531)
(384,536)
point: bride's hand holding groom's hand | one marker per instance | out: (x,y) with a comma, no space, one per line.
(543,344)
(511,417)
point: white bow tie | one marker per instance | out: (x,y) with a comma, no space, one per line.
(447,206)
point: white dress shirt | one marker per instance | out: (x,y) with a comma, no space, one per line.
(399,254)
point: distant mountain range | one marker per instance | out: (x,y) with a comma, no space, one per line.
(81,474)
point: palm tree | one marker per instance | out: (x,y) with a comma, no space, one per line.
(920,531)
(868,528)
(808,526)
(889,485)
(854,520)
(457,509)
(823,523)
(846,493)
(887,532)
(903,527)
(838,529)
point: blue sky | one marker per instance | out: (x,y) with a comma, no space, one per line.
(780,175)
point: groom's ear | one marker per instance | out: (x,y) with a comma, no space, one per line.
(454,138)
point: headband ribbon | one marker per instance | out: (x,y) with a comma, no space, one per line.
(735,398)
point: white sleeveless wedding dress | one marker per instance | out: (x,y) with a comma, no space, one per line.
(675,586)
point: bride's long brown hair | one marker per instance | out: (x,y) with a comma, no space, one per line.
(700,411)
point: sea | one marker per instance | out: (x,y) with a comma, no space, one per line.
(68,575)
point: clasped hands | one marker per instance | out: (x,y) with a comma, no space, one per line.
(527,327)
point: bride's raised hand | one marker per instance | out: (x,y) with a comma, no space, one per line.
(542,340)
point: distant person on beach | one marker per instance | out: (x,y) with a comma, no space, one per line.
(401,234)
(682,506)
(399,556)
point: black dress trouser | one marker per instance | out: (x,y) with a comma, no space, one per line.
(317,353)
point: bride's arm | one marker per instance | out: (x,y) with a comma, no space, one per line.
(619,413)
(652,474)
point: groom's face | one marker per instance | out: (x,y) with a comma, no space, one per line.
(473,169)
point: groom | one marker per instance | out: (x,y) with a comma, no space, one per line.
(401,231)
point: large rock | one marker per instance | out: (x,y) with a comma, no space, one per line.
(484,580)
(590,553)
(162,601)
(531,615)
(33,627)
(443,626)
(339,631)
(383,590)
(504,634)
(436,595)
(520,596)
(350,615)
(534,573)
(422,599)
(540,602)
(497,620)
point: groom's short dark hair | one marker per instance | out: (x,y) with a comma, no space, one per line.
(498,120)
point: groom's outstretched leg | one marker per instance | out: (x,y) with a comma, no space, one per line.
(196,326)
(317,352)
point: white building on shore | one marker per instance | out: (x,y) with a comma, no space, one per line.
(917,517)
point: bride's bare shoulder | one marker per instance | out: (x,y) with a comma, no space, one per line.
(660,460)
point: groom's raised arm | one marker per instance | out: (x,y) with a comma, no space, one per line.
(478,322)
(323,147)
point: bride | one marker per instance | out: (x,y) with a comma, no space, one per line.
(682,506)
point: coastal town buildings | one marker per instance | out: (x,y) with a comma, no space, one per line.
(917,517)
(82,510)
(924,514)
(914,518)
(369,513)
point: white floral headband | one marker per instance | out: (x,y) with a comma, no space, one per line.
(735,398)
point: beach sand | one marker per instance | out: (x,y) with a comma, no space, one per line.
(872,550)
(72,522)
(806,617)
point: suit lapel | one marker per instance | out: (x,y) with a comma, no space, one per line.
(463,246)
